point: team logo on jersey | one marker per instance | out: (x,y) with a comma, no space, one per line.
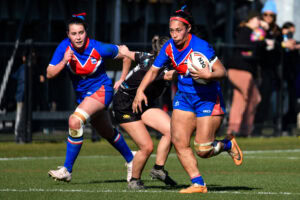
(207,111)
(126,116)
(93,61)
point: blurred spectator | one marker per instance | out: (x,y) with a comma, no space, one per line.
(39,84)
(290,62)
(241,73)
(269,79)
(19,75)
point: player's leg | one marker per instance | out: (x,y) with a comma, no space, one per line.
(75,138)
(182,127)
(205,144)
(208,123)
(140,135)
(160,121)
(102,124)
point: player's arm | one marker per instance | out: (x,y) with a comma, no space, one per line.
(170,75)
(54,70)
(124,55)
(218,71)
(140,95)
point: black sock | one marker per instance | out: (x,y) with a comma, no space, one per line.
(134,179)
(158,167)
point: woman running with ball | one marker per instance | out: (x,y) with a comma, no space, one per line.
(196,106)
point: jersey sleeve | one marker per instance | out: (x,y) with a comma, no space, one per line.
(162,58)
(107,50)
(59,53)
(208,51)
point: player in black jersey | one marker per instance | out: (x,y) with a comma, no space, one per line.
(152,116)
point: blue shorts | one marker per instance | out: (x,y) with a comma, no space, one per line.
(104,95)
(206,104)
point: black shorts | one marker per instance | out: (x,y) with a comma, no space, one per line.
(122,108)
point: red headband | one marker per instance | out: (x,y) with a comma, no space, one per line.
(180,19)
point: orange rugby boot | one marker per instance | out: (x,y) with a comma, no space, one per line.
(195,188)
(235,151)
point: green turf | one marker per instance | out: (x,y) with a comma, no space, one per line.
(99,172)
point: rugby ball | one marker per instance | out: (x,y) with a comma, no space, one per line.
(199,62)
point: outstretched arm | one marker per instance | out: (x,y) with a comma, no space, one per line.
(124,55)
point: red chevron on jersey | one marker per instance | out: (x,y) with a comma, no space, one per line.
(90,65)
(181,68)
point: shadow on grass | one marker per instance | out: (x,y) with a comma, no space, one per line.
(229,188)
(167,187)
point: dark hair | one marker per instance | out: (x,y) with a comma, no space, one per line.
(77,19)
(185,13)
(251,14)
(158,42)
(288,25)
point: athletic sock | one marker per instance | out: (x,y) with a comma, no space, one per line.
(227,144)
(73,149)
(198,179)
(120,144)
(134,179)
(158,167)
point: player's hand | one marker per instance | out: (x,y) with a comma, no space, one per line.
(68,55)
(117,84)
(200,74)
(137,102)
(123,50)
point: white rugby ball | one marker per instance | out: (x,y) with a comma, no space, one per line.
(200,62)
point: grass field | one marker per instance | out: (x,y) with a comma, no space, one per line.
(271,170)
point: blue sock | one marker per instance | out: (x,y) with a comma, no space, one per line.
(120,144)
(227,144)
(198,179)
(73,149)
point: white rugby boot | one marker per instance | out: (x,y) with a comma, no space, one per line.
(60,174)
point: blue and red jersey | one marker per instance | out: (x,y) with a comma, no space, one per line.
(87,69)
(179,62)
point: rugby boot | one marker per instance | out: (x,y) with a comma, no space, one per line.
(136,185)
(195,188)
(60,174)
(162,175)
(235,151)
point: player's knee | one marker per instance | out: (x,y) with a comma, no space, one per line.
(76,122)
(175,140)
(147,149)
(207,150)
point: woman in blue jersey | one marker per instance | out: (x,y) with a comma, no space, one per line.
(84,58)
(196,106)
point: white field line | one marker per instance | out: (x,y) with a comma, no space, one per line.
(171,155)
(143,191)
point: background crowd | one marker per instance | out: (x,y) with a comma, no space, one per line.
(263,78)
